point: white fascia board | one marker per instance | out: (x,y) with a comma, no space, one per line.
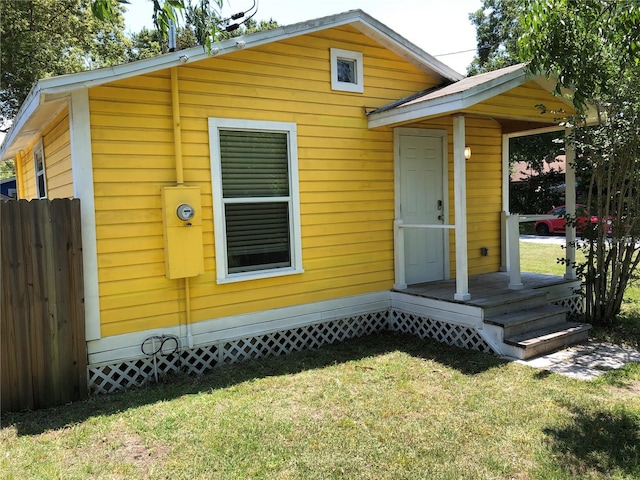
(416,111)
(536,131)
(407,50)
(449,103)
(27,109)
(92,78)
(368,25)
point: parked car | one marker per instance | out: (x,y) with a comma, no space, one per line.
(558,224)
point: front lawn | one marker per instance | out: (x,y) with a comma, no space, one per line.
(383,407)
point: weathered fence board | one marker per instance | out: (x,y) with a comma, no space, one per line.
(42,339)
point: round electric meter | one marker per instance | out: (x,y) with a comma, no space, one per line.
(185,212)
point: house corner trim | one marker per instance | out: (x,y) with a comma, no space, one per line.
(82,168)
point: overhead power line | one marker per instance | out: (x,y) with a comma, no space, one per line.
(455,53)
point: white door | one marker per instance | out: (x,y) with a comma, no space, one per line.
(422,202)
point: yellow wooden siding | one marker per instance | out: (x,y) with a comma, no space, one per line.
(28,179)
(57,160)
(345,170)
(484,194)
(57,157)
(523,103)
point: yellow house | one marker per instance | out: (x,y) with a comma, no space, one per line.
(290,188)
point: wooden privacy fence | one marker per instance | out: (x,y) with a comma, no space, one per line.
(43,355)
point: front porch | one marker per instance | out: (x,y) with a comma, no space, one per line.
(491,288)
(452,175)
(521,323)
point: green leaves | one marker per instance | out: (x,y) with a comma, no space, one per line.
(497,31)
(43,38)
(592,49)
(105,9)
(587,45)
(202,15)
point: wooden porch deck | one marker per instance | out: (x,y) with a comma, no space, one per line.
(486,289)
(515,323)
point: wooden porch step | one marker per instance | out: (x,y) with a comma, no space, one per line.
(511,301)
(549,339)
(523,321)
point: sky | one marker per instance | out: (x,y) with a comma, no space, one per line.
(439,27)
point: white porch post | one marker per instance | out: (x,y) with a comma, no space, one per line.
(504,232)
(513,245)
(398,244)
(510,227)
(570,202)
(460,206)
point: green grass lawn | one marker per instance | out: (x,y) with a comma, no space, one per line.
(541,258)
(382,407)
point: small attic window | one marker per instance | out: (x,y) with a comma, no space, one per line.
(346,71)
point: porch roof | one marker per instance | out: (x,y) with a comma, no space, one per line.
(511,95)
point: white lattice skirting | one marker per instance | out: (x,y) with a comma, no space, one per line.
(574,303)
(108,378)
(124,374)
(443,332)
(112,377)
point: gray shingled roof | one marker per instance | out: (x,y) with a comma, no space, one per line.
(467,84)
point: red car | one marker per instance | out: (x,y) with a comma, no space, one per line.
(558,224)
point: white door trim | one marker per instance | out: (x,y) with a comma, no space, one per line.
(398,236)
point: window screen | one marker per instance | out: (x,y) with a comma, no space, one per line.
(255,191)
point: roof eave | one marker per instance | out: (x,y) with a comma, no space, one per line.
(28,107)
(450,103)
(368,25)
(64,84)
(409,51)
(591,114)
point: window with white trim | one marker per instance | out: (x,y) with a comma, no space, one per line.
(346,71)
(38,164)
(256,202)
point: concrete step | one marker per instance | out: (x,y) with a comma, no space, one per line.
(548,339)
(534,318)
